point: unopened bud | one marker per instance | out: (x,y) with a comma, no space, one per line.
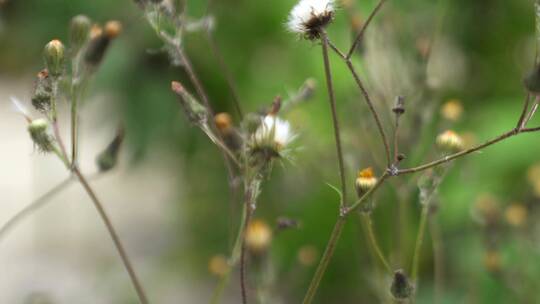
(38,132)
(218,265)
(258,237)
(113,29)
(100,41)
(54,57)
(223,122)
(196,113)
(399,108)
(107,159)
(452,110)
(450,141)
(41,97)
(79,31)
(365,181)
(401,288)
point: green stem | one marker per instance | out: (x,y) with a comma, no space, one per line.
(419,240)
(325,259)
(366,218)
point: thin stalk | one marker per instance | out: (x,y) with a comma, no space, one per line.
(249,213)
(35,205)
(363,29)
(325,259)
(74,125)
(114,236)
(367,98)
(366,218)
(335,121)
(438,255)
(524,111)
(334,238)
(419,240)
(233,260)
(54,120)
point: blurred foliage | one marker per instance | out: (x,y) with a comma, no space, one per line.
(497,39)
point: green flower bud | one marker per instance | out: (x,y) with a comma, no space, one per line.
(54,57)
(79,31)
(107,159)
(38,132)
(196,112)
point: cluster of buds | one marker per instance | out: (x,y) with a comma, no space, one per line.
(450,141)
(310,17)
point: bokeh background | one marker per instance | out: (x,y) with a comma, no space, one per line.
(169,196)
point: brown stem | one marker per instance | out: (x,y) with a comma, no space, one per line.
(363,29)
(524,111)
(112,232)
(337,136)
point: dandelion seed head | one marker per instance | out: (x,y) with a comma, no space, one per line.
(308,17)
(273,133)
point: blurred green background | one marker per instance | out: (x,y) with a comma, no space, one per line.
(483,48)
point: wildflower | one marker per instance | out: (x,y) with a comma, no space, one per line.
(307,255)
(218,265)
(54,57)
(450,140)
(452,110)
(258,236)
(309,17)
(365,181)
(272,135)
(516,214)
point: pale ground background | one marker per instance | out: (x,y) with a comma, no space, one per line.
(63,250)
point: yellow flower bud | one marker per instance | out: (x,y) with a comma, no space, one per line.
(54,57)
(365,181)
(450,141)
(258,237)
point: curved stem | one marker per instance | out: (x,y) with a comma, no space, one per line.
(114,236)
(366,218)
(337,136)
(35,205)
(363,29)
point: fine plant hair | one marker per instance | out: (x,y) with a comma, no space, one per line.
(252,143)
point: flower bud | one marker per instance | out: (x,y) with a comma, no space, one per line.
(107,159)
(38,132)
(258,237)
(41,97)
(223,122)
(365,181)
(196,113)
(79,31)
(450,141)
(54,57)
(401,288)
(218,265)
(100,41)
(452,110)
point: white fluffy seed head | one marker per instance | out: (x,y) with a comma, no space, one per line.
(273,133)
(308,17)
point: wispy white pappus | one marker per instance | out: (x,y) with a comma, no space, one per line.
(309,17)
(273,133)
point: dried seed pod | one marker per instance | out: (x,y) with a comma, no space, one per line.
(41,97)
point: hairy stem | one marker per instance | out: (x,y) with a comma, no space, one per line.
(114,236)
(335,121)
